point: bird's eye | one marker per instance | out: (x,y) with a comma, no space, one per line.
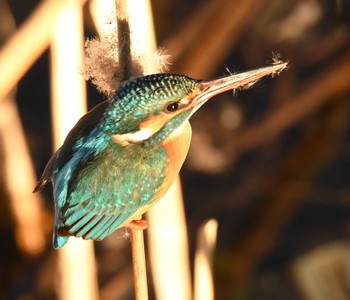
(174,106)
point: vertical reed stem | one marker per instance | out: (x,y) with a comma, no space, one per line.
(139,264)
(76,259)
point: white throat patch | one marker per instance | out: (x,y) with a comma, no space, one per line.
(127,139)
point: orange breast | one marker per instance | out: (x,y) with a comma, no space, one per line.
(177,145)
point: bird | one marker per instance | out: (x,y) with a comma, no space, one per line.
(124,154)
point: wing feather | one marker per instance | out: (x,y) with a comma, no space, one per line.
(81,223)
(98,229)
(107,230)
(93,220)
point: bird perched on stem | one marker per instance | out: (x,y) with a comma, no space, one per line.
(123,155)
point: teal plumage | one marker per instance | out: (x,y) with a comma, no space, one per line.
(99,183)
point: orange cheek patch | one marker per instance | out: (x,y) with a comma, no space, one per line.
(177,146)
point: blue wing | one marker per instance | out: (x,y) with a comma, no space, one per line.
(65,159)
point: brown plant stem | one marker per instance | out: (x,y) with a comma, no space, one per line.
(139,264)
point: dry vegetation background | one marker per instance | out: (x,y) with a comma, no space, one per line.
(271,164)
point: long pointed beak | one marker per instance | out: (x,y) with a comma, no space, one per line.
(233,82)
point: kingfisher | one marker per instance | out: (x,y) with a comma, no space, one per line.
(123,155)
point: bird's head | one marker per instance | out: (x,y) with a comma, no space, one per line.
(144,106)
(158,104)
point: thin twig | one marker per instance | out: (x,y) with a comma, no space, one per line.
(139,264)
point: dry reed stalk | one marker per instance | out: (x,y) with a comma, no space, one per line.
(19,175)
(20,179)
(76,259)
(168,246)
(203,274)
(36,32)
(110,61)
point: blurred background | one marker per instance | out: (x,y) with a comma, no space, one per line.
(271,164)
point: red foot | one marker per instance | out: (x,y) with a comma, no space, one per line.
(138,224)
